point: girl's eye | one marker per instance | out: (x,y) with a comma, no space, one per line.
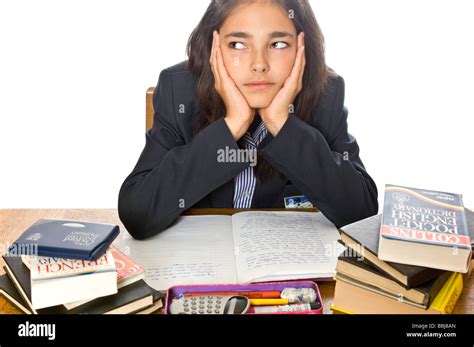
(241,46)
(237,45)
(280,45)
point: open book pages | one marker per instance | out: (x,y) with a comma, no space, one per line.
(244,248)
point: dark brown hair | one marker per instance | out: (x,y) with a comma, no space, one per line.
(211,106)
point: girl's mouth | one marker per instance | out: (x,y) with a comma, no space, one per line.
(259,85)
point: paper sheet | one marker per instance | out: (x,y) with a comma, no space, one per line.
(195,250)
(284,245)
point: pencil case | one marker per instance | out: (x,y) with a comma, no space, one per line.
(178,291)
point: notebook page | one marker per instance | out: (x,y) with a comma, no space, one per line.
(195,250)
(284,246)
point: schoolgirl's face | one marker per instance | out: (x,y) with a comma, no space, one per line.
(259,44)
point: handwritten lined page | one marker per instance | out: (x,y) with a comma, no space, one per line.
(195,250)
(284,246)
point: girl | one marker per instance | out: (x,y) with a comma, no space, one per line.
(256,82)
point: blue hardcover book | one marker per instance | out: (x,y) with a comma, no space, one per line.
(65,239)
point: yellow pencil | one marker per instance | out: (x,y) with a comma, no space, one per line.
(268,302)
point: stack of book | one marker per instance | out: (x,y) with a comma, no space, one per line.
(86,282)
(426,281)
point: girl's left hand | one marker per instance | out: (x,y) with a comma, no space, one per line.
(276,114)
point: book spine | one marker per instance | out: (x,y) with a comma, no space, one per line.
(448,296)
(341,310)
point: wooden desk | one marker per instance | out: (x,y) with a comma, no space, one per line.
(14,222)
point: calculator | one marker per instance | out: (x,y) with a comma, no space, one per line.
(210,304)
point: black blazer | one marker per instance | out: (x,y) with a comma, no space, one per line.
(177,171)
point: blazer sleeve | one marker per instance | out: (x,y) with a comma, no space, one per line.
(326,168)
(171,175)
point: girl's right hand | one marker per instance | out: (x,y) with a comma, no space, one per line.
(239,114)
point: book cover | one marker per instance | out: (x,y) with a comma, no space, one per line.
(362,237)
(129,299)
(65,239)
(373,289)
(352,299)
(470,225)
(19,275)
(57,281)
(49,268)
(445,301)
(9,292)
(128,272)
(158,299)
(361,270)
(424,228)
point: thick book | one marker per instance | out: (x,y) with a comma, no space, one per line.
(57,281)
(424,228)
(361,270)
(248,247)
(158,302)
(363,238)
(128,272)
(19,274)
(9,292)
(65,239)
(130,299)
(355,299)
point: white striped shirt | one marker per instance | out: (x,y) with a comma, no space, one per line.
(245,182)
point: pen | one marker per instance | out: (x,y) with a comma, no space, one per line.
(268,302)
(249,294)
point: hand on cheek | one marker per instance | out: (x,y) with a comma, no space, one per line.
(276,114)
(239,114)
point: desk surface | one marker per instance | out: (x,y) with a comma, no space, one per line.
(14,222)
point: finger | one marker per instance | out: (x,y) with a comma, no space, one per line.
(214,60)
(221,69)
(303,65)
(300,59)
(300,64)
(212,47)
(211,56)
(296,70)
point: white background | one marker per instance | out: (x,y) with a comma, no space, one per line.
(73,76)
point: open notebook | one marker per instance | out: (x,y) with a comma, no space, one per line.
(244,248)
